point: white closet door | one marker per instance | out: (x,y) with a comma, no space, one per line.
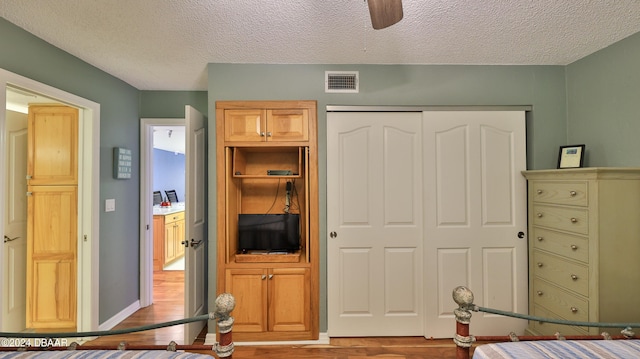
(374,218)
(475,206)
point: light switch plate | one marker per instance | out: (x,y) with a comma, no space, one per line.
(110,205)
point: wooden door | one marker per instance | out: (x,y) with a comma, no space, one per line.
(374,196)
(249,288)
(53,145)
(15,224)
(52,238)
(288,125)
(475,204)
(244,125)
(289,299)
(51,257)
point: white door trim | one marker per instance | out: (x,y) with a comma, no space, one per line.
(146,203)
(88,190)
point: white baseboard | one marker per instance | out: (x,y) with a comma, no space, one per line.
(122,315)
(323,339)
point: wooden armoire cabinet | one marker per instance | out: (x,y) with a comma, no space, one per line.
(584,243)
(267,165)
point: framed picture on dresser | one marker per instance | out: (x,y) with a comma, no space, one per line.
(571,156)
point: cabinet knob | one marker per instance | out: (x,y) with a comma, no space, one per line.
(539,191)
(540,239)
(261,134)
(540,264)
(574,247)
(574,220)
(572,193)
(540,293)
(268,134)
(264,277)
(539,215)
(574,277)
(270,276)
(574,310)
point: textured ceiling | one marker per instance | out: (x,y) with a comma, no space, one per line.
(166,44)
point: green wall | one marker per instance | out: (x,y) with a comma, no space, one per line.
(603,104)
(542,87)
(170,104)
(121,107)
(29,56)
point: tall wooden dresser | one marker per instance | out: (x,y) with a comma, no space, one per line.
(584,247)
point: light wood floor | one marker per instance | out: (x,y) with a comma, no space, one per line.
(168,297)
(168,305)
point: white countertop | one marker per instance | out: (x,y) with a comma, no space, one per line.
(174,208)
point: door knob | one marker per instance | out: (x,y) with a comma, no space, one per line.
(520,234)
(195,243)
(7,239)
(333,234)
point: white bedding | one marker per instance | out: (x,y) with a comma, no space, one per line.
(560,349)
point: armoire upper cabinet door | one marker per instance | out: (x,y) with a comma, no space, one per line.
(244,125)
(288,125)
(266,125)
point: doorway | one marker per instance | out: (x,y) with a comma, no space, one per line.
(88,192)
(162,151)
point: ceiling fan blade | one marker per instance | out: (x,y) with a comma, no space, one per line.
(385,13)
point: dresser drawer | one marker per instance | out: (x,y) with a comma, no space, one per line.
(562,303)
(574,247)
(569,193)
(552,328)
(564,273)
(565,219)
(169,218)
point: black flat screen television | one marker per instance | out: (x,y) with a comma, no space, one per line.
(268,232)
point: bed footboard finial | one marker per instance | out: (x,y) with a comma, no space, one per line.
(628,332)
(225,303)
(464,298)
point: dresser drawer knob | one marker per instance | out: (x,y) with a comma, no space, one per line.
(539,215)
(574,220)
(539,191)
(574,247)
(574,310)
(540,293)
(540,264)
(573,193)
(574,277)
(540,239)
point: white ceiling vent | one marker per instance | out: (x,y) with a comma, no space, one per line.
(341,81)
